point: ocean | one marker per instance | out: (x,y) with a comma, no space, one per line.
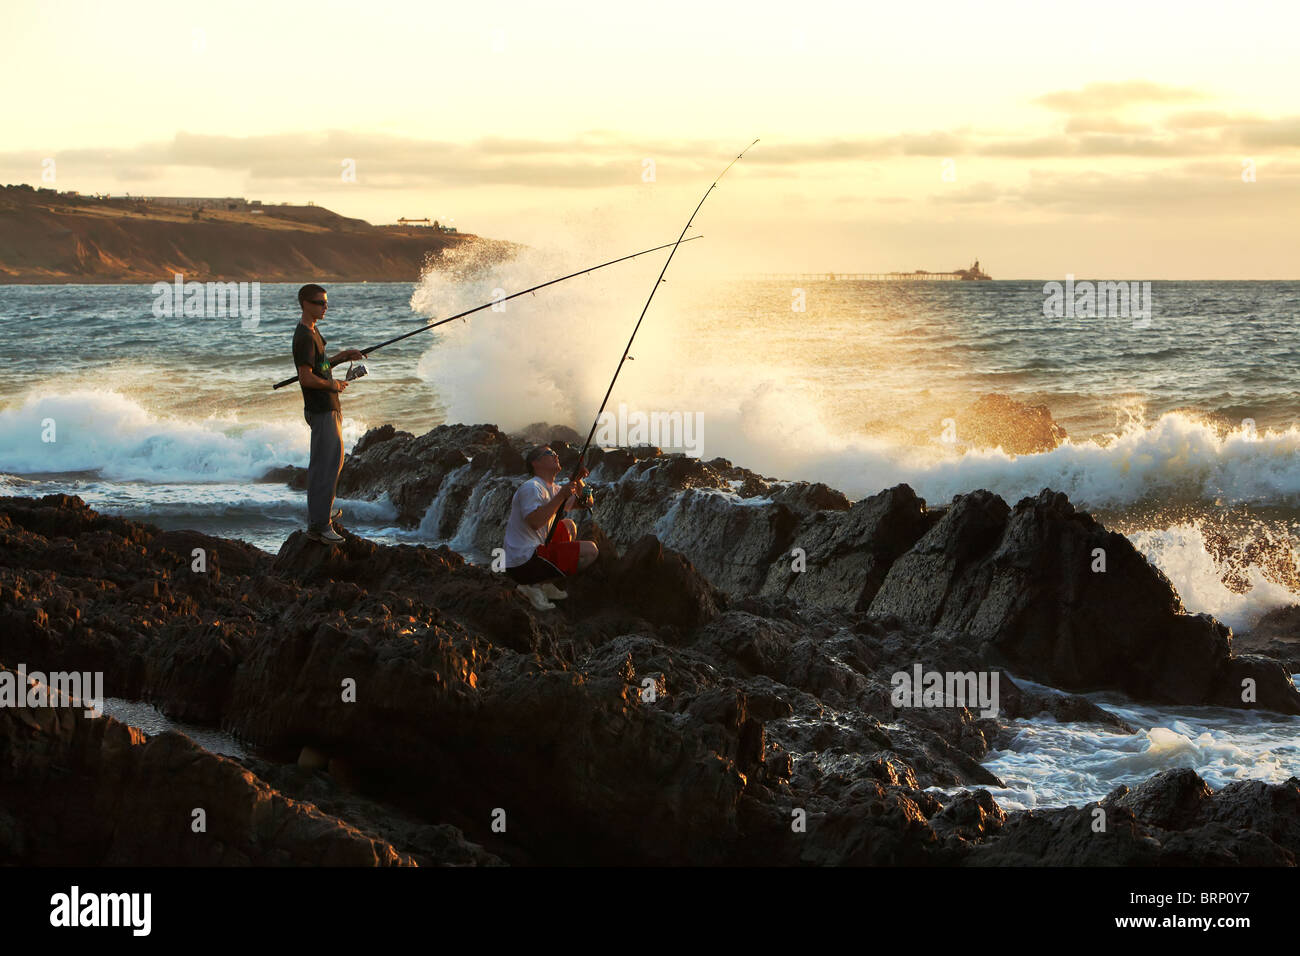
(1183,426)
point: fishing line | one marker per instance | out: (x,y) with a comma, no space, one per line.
(555,523)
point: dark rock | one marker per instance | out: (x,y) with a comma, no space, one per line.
(803,497)
(972,815)
(96,792)
(697,508)
(1275,635)
(1065,708)
(1171,800)
(1253,681)
(1280,624)
(235,557)
(1173,819)
(849,553)
(1217,845)
(411,471)
(1272,810)
(291,475)
(541,433)
(1022,580)
(1068,837)
(662,586)
(649,718)
(609,465)
(377,436)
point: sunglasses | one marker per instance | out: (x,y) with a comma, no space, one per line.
(316,301)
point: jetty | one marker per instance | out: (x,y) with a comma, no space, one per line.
(974,273)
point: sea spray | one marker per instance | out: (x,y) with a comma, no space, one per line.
(118,438)
(1180,552)
(545,357)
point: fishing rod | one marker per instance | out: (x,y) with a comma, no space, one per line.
(485,305)
(555,523)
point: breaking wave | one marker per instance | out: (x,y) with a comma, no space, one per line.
(108,434)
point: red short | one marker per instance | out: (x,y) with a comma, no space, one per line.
(563,551)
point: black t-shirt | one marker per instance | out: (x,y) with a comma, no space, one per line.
(309,349)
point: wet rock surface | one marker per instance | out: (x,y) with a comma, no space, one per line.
(1277,636)
(1174,819)
(78,790)
(417,708)
(1053,595)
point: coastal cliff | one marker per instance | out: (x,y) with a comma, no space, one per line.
(48,237)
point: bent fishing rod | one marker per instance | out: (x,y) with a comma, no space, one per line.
(555,523)
(485,305)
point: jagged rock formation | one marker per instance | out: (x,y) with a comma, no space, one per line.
(1020,580)
(1059,598)
(652,718)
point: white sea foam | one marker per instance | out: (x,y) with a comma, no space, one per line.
(436,512)
(152,721)
(1050,764)
(116,437)
(1177,459)
(1180,552)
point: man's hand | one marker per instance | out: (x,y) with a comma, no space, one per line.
(574,486)
(351,355)
(340,384)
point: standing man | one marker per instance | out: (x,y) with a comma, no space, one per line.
(320,399)
(530,561)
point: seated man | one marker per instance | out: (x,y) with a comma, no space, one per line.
(530,561)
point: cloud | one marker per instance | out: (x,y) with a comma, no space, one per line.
(1066,146)
(827,151)
(1280,132)
(1191,192)
(1198,119)
(601,158)
(1102,97)
(1104,124)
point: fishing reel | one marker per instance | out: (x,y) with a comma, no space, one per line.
(355,371)
(585,500)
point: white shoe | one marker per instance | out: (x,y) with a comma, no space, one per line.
(331,536)
(535,595)
(552,592)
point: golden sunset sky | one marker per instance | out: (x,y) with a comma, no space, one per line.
(1103,139)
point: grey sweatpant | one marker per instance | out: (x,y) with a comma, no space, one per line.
(324,467)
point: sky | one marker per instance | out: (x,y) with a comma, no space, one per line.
(1108,140)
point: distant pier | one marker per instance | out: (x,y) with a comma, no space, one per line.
(854,277)
(920,275)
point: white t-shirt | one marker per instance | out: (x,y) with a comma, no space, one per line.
(521,540)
